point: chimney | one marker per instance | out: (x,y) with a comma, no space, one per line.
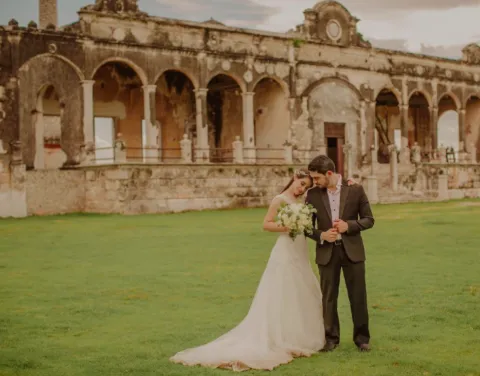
(48,13)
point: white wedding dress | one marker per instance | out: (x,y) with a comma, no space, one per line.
(284,321)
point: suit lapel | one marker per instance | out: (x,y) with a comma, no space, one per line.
(343,198)
(326,203)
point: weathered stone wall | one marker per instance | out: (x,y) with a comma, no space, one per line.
(139,189)
(170,188)
(55,191)
(12,189)
(272,119)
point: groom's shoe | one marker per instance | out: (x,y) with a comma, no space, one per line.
(329,346)
(364,347)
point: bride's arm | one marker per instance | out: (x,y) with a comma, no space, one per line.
(269,220)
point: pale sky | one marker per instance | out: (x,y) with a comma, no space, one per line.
(444,27)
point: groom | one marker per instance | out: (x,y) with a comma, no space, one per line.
(343,211)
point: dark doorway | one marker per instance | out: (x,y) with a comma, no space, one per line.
(335,139)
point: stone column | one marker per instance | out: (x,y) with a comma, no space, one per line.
(374,159)
(88,115)
(237,150)
(393,168)
(370,119)
(404,151)
(363,129)
(461,129)
(152,145)
(434,127)
(372,182)
(39,162)
(248,127)
(186,146)
(202,152)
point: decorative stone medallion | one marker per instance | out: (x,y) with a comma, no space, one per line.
(334,30)
(248,76)
(52,48)
(226,65)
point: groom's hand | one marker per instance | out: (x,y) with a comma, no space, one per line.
(341,226)
(329,236)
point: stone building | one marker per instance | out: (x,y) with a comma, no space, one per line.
(120,90)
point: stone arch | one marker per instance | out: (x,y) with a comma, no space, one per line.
(448,129)
(225,115)
(278,80)
(47,122)
(455,99)
(77,70)
(387,122)
(175,104)
(240,82)
(420,129)
(472,123)
(427,96)
(35,75)
(332,79)
(271,119)
(185,72)
(334,120)
(139,71)
(470,96)
(393,90)
(118,109)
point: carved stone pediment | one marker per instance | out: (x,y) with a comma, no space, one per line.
(331,23)
(471,53)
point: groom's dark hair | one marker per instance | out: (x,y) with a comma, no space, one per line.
(321,164)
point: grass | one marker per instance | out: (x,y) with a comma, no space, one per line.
(111,295)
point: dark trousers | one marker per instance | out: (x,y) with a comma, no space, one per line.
(354,274)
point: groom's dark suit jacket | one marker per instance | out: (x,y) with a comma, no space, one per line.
(354,209)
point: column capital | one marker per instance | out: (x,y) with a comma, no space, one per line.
(462,111)
(88,82)
(248,94)
(201,91)
(149,88)
(404,107)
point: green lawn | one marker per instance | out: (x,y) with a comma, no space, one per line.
(111,295)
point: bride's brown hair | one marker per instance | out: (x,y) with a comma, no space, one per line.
(299,174)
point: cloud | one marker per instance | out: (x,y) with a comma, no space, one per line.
(406,5)
(232,12)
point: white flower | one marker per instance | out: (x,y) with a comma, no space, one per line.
(297,218)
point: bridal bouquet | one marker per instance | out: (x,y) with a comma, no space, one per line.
(297,218)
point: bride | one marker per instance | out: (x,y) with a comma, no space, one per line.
(285,319)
